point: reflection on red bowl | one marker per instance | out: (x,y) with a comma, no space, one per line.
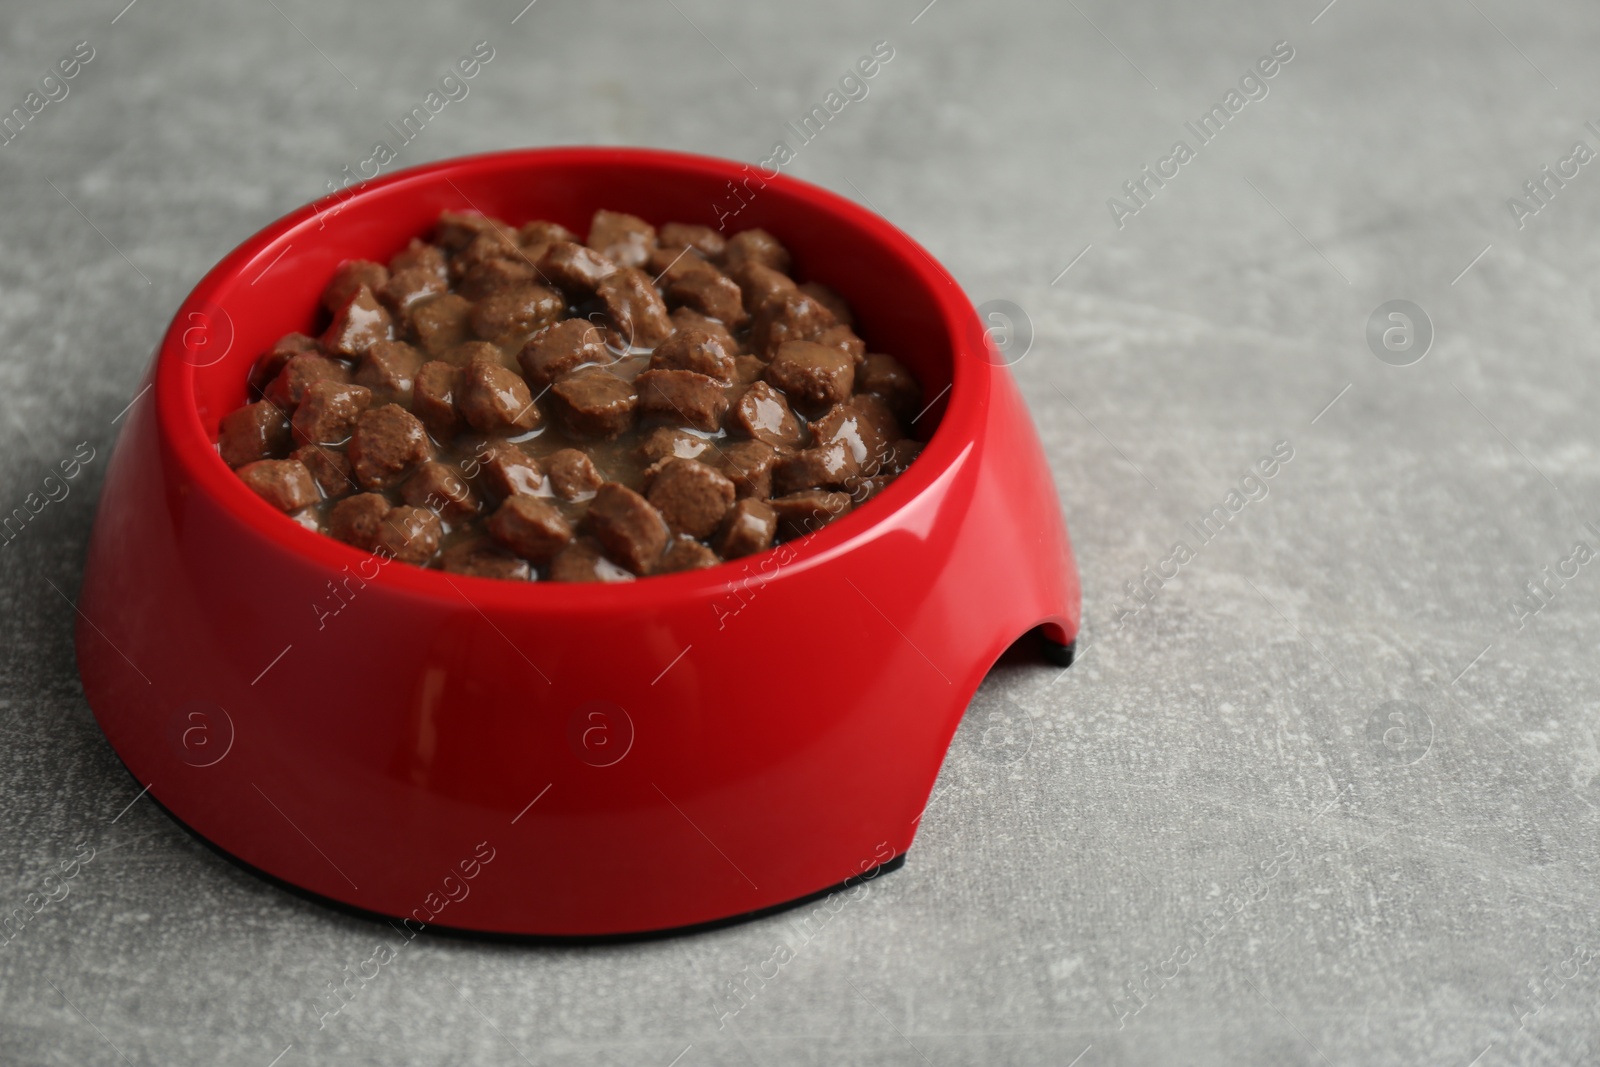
(546,758)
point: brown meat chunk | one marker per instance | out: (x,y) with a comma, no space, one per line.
(865,424)
(299,372)
(406,289)
(686,318)
(455,230)
(686,554)
(360,321)
(692,399)
(888,378)
(255,431)
(441,323)
(594,403)
(433,398)
(583,561)
(576,269)
(714,295)
(493,275)
(747,370)
(327,413)
(629,528)
(667,265)
(508,471)
(557,350)
(573,474)
(270,365)
(283,483)
(388,369)
(485,248)
(626,240)
(831,300)
(386,444)
(757,246)
(467,353)
(635,308)
(495,400)
(703,239)
(763,414)
(480,557)
(845,340)
(532,528)
(748,465)
(758,284)
(812,376)
(508,316)
(701,351)
(440,488)
(330,469)
(665,442)
(830,466)
(790,316)
(539,232)
(690,496)
(809,511)
(749,527)
(418,255)
(358,520)
(410,534)
(350,276)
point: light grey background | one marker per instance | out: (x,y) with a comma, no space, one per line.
(1433,898)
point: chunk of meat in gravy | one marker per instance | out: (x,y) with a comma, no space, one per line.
(814,377)
(576,269)
(433,398)
(359,323)
(508,470)
(480,557)
(690,496)
(630,529)
(624,239)
(697,400)
(349,277)
(757,246)
(594,403)
(698,350)
(572,474)
(495,400)
(255,431)
(749,527)
(283,483)
(532,528)
(635,308)
(788,316)
(558,350)
(763,414)
(386,444)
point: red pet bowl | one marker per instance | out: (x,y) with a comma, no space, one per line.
(546,758)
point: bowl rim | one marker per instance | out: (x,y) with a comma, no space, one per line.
(953,439)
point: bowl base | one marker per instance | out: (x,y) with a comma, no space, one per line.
(888,866)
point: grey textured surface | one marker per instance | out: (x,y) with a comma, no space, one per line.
(1194,847)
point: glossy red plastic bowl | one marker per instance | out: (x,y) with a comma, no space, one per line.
(562,759)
